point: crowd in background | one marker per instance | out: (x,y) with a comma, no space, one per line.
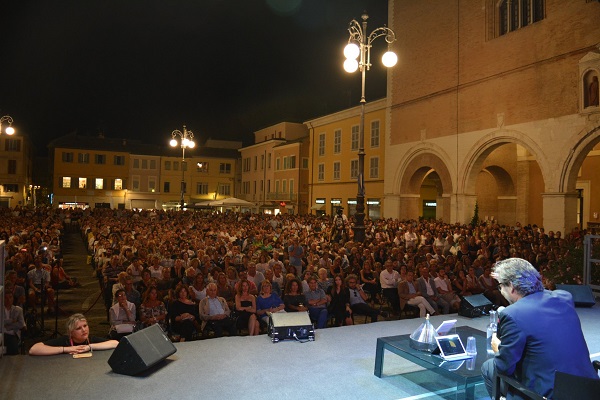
(191,272)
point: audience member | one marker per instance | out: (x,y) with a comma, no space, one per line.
(317,303)
(76,341)
(122,316)
(358,300)
(409,293)
(268,302)
(245,306)
(430,293)
(215,312)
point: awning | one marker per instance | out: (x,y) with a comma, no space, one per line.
(318,207)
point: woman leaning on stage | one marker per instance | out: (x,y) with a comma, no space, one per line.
(76,341)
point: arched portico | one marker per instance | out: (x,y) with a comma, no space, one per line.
(420,163)
(564,201)
(513,199)
(497,195)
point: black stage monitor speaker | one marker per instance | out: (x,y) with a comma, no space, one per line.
(475,306)
(582,294)
(293,325)
(141,350)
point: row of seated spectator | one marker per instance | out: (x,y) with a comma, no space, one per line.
(187,310)
(33,267)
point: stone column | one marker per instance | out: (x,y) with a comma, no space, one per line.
(522,187)
(465,208)
(391,206)
(560,212)
(444,208)
(507,211)
(409,206)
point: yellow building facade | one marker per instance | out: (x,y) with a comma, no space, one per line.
(333,160)
(89,171)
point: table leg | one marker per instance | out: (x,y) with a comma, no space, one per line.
(379,358)
(467,392)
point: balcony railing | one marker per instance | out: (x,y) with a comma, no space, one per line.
(270,196)
(282,196)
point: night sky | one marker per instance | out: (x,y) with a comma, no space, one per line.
(139,69)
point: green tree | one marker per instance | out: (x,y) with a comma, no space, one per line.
(475,219)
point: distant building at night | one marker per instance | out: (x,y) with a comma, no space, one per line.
(275,169)
(15,170)
(96,171)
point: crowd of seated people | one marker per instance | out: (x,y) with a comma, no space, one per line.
(430,265)
(33,267)
(163,262)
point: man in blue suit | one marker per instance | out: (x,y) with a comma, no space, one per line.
(539,332)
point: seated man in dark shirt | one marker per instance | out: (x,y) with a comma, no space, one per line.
(76,341)
(358,300)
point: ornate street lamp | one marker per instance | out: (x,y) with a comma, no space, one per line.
(9,130)
(185,140)
(33,189)
(359,47)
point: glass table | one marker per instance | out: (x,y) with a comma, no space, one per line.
(466,373)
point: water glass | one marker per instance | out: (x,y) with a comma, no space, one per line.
(471,362)
(471,346)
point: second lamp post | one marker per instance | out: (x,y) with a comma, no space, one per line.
(185,140)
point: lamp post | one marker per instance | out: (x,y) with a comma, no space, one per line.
(359,46)
(9,130)
(33,189)
(185,140)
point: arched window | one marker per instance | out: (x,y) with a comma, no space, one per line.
(515,14)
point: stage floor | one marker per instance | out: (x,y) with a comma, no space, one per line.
(337,365)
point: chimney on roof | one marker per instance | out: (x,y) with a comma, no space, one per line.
(124,142)
(101,135)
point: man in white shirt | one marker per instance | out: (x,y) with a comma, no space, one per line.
(275,260)
(444,288)
(410,238)
(254,275)
(430,293)
(409,294)
(389,279)
(399,239)
(40,284)
(278,275)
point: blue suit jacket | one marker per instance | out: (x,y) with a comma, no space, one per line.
(541,334)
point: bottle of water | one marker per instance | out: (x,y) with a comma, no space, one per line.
(491,330)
